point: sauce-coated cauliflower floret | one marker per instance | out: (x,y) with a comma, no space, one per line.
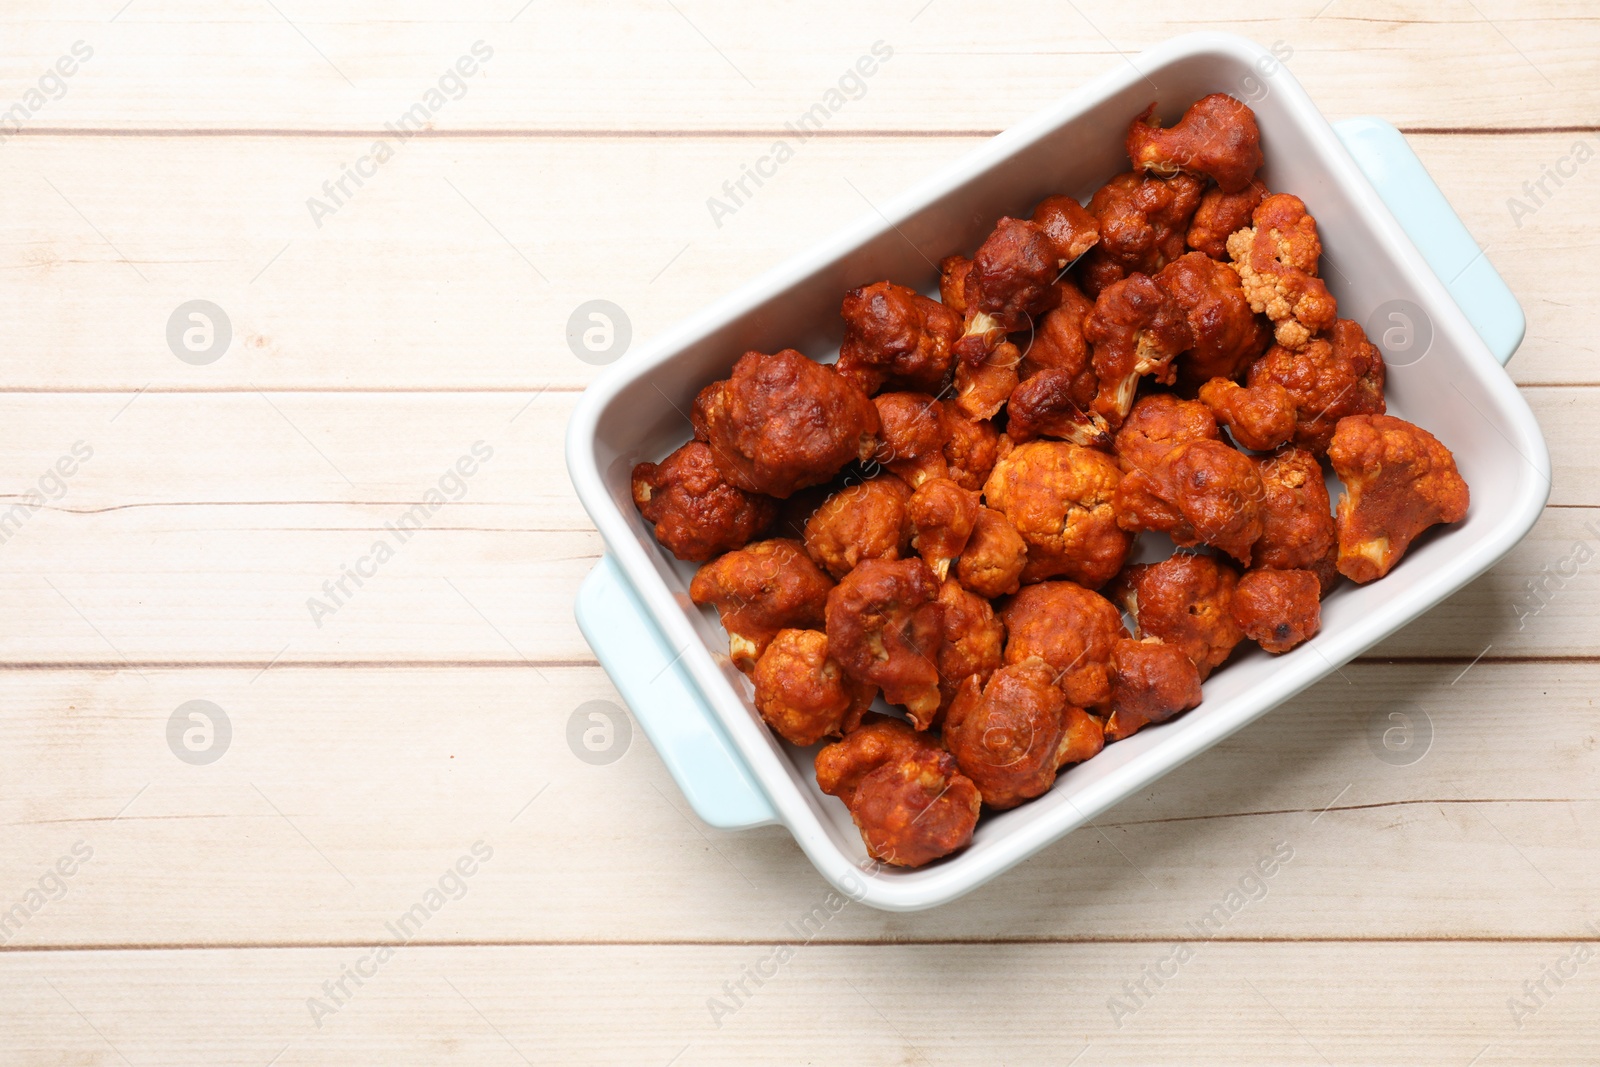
(1143,221)
(1277,264)
(1137,329)
(985,378)
(803,694)
(912,435)
(1011,735)
(1296,515)
(942,515)
(1278,609)
(905,793)
(1334,376)
(1159,423)
(974,639)
(864,521)
(1151,681)
(895,336)
(761,589)
(1073,630)
(1059,497)
(1014,270)
(953,271)
(1186,601)
(1058,342)
(1048,405)
(1398,481)
(1200,493)
(991,564)
(1219,215)
(885,626)
(971,450)
(696,513)
(1216,138)
(1260,418)
(1228,335)
(783,422)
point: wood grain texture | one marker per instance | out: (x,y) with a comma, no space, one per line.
(709,65)
(428,714)
(1239,1003)
(229,512)
(345,793)
(441,272)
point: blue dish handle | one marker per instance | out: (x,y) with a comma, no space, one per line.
(685,731)
(1403,182)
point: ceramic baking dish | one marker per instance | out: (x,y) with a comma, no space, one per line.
(1389,236)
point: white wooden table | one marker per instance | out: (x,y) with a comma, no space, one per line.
(216,912)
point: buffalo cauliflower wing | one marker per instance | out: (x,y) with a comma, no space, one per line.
(1073,630)
(1334,376)
(1398,481)
(1143,223)
(942,515)
(1200,493)
(1151,682)
(1296,515)
(761,589)
(801,692)
(783,422)
(1216,138)
(884,626)
(905,793)
(992,562)
(1137,329)
(1260,418)
(1228,335)
(863,521)
(1219,215)
(895,336)
(974,639)
(1185,601)
(695,512)
(1011,734)
(1278,609)
(1059,497)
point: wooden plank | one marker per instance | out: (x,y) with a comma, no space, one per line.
(229,512)
(707,65)
(443,272)
(342,794)
(1225,1004)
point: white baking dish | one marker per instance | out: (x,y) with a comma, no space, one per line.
(1458,390)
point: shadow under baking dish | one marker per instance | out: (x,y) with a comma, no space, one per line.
(1457,390)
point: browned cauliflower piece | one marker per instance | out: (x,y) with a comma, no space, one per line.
(1398,481)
